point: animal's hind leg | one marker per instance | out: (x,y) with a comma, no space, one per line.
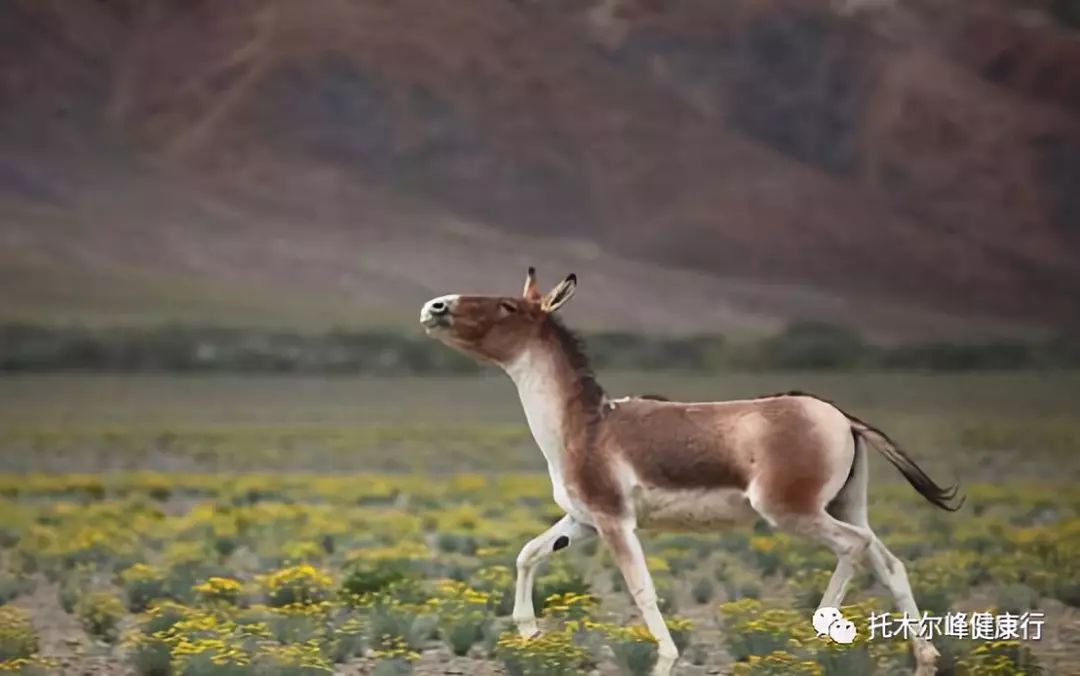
(890,571)
(850,506)
(847,541)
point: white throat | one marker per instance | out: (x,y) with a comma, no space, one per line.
(534,374)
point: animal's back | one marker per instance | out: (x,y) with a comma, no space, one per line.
(781,443)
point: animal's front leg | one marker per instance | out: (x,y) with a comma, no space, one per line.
(565,532)
(630,558)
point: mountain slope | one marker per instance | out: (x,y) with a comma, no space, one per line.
(874,160)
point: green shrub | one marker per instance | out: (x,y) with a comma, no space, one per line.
(937,580)
(498,582)
(753,629)
(561,579)
(99,613)
(845,660)
(1015,598)
(349,640)
(143,584)
(740,583)
(17,637)
(999,657)
(214,663)
(150,656)
(493,629)
(303,584)
(951,650)
(463,614)
(553,653)
(777,663)
(456,542)
(361,580)
(680,632)
(148,653)
(395,658)
(703,590)
(393,621)
(296,624)
(219,591)
(808,587)
(634,649)
(12,585)
(291,660)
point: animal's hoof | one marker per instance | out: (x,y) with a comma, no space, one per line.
(926,657)
(926,666)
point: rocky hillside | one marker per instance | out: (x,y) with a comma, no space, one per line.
(770,158)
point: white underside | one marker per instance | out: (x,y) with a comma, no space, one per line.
(692,508)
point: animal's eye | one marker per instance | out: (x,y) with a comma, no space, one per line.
(508,307)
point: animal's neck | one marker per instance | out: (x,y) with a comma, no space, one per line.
(543,397)
(558,401)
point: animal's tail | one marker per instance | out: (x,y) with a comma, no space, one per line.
(946,498)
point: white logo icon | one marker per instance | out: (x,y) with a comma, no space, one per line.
(830,622)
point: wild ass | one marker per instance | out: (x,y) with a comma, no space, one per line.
(620,464)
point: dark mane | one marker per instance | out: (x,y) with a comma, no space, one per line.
(590,392)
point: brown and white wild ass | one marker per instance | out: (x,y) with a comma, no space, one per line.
(620,464)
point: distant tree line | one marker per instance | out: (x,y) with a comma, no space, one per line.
(804,345)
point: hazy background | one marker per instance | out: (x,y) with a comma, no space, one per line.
(219,220)
(910,171)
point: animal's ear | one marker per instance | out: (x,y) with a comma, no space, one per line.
(532,290)
(558,296)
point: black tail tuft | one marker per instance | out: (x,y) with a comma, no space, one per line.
(945,497)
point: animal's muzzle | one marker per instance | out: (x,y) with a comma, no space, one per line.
(436,312)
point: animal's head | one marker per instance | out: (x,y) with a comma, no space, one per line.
(494,328)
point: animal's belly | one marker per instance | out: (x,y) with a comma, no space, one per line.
(691,509)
